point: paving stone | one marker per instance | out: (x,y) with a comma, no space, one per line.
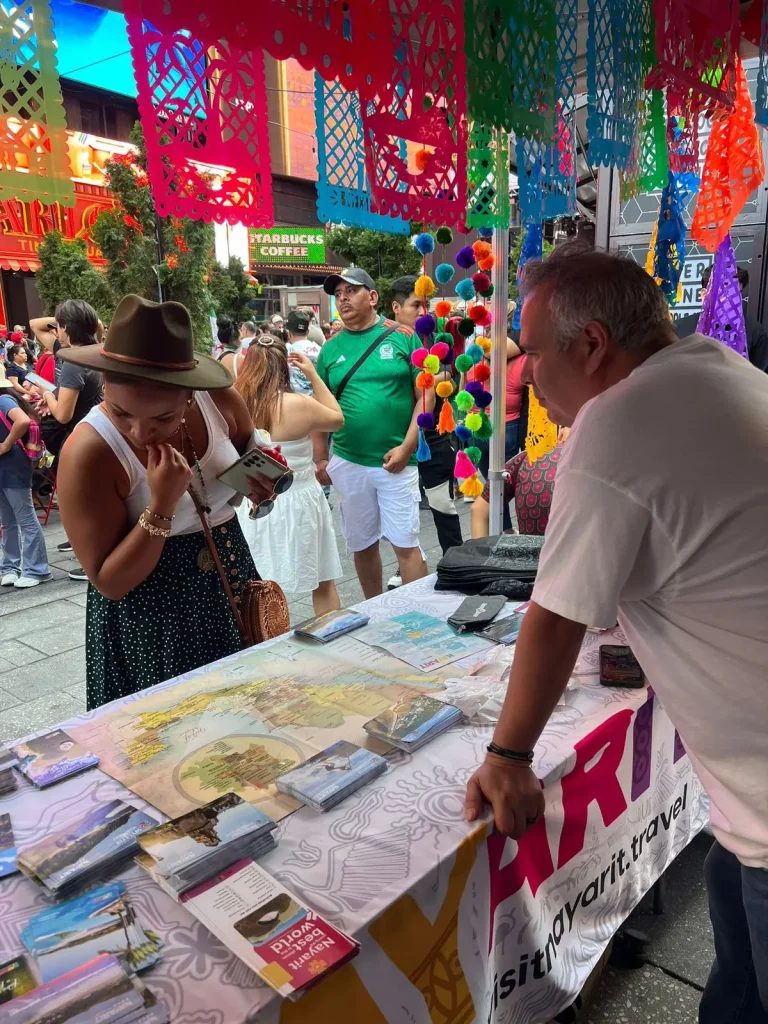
(12,600)
(46,677)
(80,599)
(32,621)
(14,652)
(56,639)
(43,713)
(645,996)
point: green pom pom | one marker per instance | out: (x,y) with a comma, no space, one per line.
(444,236)
(474,454)
(464,401)
(488,293)
(466,327)
(445,337)
(484,428)
(474,421)
(464,363)
(431,364)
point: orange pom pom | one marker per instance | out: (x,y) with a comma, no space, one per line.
(443,308)
(472,488)
(422,159)
(484,343)
(425,380)
(446,424)
(444,389)
(486,263)
(481,249)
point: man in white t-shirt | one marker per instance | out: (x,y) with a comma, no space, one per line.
(660,516)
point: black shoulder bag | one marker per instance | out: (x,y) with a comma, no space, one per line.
(356,366)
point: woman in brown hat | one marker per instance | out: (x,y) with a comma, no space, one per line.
(170,423)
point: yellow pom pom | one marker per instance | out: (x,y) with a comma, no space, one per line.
(474,421)
(444,389)
(472,487)
(431,364)
(424,287)
(425,380)
(484,343)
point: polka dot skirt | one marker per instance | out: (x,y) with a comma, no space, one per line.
(176,620)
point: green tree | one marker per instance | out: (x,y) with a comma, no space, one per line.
(67,273)
(231,291)
(385,257)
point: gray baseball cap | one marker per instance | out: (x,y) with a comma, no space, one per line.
(354,275)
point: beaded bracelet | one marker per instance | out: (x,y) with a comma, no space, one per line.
(153,531)
(524,757)
(156,515)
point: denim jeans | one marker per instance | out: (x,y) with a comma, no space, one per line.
(23,544)
(737,987)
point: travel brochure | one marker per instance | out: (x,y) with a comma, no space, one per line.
(413,722)
(286,944)
(327,778)
(98,992)
(8,762)
(184,852)
(16,978)
(8,863)
(69,935)
(86,848)
(504,631)
(327,627)
(422,641)
(52,757)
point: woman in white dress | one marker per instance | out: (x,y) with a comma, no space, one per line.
(296,548)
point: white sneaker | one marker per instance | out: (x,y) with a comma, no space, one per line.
(24,582)
(395,581)
(9,579)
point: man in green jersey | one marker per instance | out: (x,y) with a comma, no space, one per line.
(367,366)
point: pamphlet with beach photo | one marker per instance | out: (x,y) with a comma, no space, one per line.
(52,757)
(413,721)
(324,628)
(288,945)
(327,778)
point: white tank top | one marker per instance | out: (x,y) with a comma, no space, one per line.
(220,454)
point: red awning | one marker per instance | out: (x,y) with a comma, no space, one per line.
(18,263)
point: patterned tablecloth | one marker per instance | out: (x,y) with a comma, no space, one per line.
(456,923)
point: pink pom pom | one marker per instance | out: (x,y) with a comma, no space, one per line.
(464,467)
(418,356)
(439,349)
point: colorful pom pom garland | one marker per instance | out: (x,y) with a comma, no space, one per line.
(444,273)
(424,287)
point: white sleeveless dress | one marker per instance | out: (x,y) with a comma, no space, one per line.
(296,544)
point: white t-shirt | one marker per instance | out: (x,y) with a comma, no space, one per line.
(660,513)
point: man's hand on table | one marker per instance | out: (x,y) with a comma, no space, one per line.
(511,789)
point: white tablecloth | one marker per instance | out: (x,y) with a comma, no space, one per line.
(456,925)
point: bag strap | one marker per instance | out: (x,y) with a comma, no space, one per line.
(350,373)
(217,561)
(7,423)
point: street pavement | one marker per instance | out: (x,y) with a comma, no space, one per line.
(42,682)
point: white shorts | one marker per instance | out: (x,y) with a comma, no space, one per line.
(374,503)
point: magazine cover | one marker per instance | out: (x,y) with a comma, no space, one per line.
(326,627)
(333,770)
(7,847)
(52,757)
(288,945)
(199,833)
(411,718)
(67,936)
(104,834)
(15,978)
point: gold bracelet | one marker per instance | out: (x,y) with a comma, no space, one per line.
(156,515)
(153,531)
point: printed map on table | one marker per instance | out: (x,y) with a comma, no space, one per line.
(422,641)
(237,727)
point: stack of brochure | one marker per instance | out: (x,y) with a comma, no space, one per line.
(52,757)
(71,934)
(184,852)
(327,778)
(325,628)
(288,945)
(8,863)
(16,978)
(8,762)
(87,849)
(413,721)
(100,990)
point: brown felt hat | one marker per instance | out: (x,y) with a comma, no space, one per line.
(151,341)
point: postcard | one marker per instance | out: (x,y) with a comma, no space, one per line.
(7,847)
(331,624)
(52,757)
(412,718)
(340,768)
(504,631)
(101,837)
(15,978)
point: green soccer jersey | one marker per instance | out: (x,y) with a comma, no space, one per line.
(378,400)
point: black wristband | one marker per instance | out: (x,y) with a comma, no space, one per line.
(521,757)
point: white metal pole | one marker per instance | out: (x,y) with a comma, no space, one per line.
(499,302)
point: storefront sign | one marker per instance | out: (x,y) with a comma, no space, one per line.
(287,245)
